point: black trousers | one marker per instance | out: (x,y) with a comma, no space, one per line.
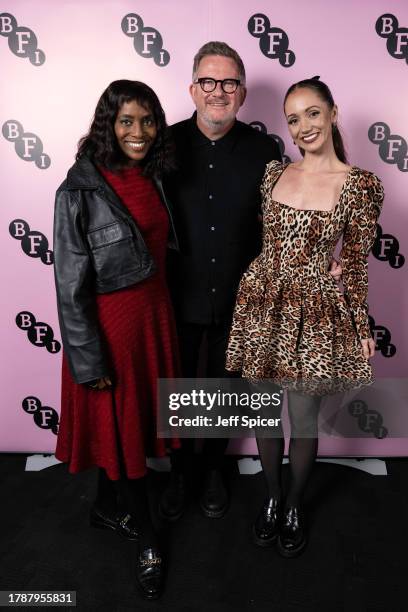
(202,350)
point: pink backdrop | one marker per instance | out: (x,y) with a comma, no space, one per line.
(81,48)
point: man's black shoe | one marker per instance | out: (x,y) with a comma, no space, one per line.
(214,498)
(173,500)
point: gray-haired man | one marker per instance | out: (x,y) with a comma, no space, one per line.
(216,199)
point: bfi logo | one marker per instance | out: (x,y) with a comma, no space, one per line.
(392,148)
(34,244)
(28,146)
(387,27)
(258,125)
(39,334)
(147,41)
(386,247)
(382,339)
(44,416)
(273,42)
(21,40)
(369,421)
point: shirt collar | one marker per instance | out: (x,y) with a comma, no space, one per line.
(227,142)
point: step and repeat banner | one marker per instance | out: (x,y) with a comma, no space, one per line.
(58,57)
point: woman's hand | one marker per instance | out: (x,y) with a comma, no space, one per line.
(101,383)
(368,345)
(335,270)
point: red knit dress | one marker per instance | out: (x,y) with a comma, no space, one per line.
(117,430)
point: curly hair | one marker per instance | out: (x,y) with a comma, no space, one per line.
(100,143)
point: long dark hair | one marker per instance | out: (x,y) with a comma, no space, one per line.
(100,143)
(325,94)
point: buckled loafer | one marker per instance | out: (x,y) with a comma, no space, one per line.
(292,534)
(127,528)
(173,500)
(214,499)
(149,573)
(266,526)
(123,524)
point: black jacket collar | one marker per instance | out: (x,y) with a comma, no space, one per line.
(84,175)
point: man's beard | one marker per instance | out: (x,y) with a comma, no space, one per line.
(216,123)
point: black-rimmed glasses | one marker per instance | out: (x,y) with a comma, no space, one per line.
(227,85)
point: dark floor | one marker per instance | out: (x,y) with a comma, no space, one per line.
(355,560)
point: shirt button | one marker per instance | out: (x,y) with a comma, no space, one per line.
(210,197)
(212,228)
(210,166)
(213,290)
(213,260)
(213,143)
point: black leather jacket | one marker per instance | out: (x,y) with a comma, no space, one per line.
(98,248)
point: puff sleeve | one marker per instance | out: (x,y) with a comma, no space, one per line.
(358,238)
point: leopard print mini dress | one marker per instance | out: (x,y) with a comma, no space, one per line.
(291,322)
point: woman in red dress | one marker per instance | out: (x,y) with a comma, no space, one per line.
(112,228)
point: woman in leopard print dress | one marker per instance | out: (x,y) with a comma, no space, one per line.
(291,324)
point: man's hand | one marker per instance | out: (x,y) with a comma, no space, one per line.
(335,270)
(368,345)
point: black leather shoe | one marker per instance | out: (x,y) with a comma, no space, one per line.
(127,528)
(149,573)
(292,535)
(123,524)
(214,499)
(173,501)
(265,529)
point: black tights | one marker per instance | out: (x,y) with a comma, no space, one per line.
(303,415)
(131,495)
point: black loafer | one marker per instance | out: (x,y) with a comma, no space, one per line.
(214,499)
(149,573)
(292,535)
(173,501)
(127,528)
(123,524)
(266,526)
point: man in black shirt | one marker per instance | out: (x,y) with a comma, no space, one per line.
(216,199)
